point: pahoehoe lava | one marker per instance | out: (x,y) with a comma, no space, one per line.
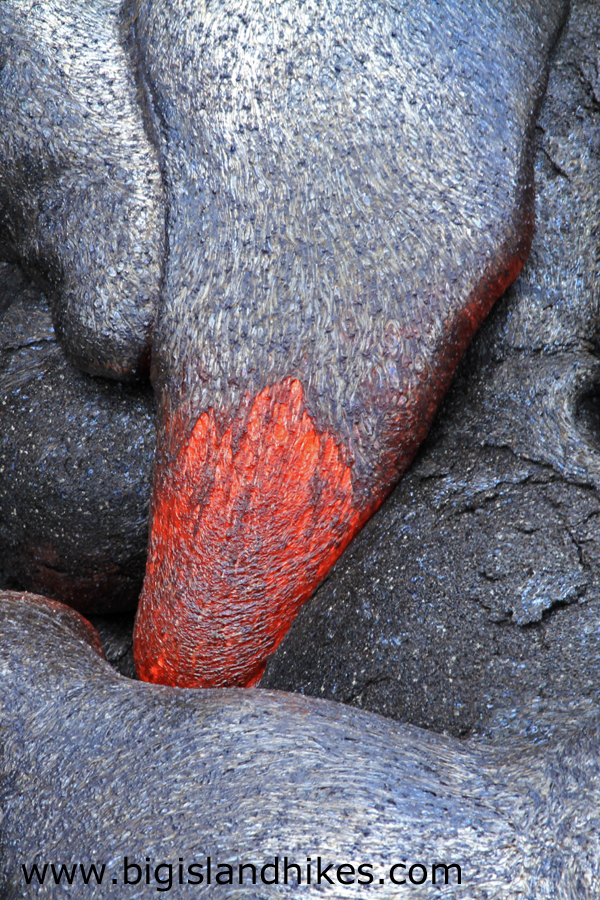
(96,767)
(345,189)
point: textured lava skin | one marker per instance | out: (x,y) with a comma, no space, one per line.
(349,190)
(95,766)
(248,521)
(256,515)
(81,199)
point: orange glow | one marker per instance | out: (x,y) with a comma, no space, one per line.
(244,528)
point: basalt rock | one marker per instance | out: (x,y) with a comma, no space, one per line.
(348,189)
(477,586)
(76,456)
(96,768)
(81,198)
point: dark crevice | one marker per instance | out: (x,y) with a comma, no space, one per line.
(557,605)
(555,166)
(36,342)
(587,415)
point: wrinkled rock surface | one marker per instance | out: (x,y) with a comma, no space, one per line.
(81,195)
(96,767)
(477,585)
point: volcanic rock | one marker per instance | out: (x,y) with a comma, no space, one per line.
(96,768)
(349,190)
(476,587)
(81,197)
(76,456)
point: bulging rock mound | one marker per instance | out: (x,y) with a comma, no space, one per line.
(96,768)
(349,189)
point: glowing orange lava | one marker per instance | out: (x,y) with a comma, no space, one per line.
(244,527)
